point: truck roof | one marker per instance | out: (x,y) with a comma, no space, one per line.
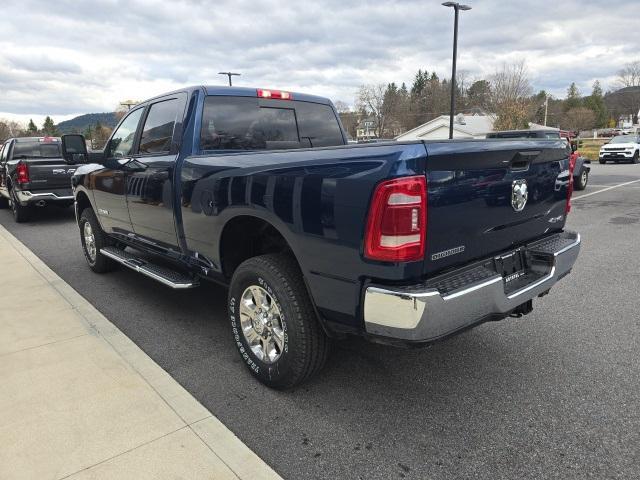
(244,92)
(251,92)
(44,139)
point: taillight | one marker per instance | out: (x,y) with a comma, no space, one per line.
(397,223)
(572,166)
(275,94)
(22,173)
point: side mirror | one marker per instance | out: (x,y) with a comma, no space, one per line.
(74,148)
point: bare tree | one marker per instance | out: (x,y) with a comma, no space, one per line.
(370,98)
(629,75)
(578,119)
(342,107)
(9,129)
(348,117)
(510,96)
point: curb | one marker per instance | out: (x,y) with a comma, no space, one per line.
(219,439)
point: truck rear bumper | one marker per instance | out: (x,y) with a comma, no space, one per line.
(26,197)
(446,304)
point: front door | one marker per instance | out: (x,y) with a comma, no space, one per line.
(150,186)
(110,190)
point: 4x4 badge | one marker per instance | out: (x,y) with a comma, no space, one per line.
(519,195)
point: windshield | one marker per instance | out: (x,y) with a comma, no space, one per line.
(624,139)
(36,150)
(247,123)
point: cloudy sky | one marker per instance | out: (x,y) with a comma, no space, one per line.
(67,57)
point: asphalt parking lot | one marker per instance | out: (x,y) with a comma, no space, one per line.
(555,394)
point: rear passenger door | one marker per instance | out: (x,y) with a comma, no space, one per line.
(150,183)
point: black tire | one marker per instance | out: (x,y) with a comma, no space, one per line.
(602,162)
(636,157)
(305,345)
(581,180)
(21,213)
(99,264)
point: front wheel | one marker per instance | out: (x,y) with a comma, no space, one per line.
(93,240)
(582,180)
(274,325)
(602,161)
(635,158)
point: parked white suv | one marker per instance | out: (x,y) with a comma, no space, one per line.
(622,147)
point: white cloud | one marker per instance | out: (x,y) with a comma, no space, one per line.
(65,57)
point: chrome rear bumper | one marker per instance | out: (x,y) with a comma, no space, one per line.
(27,197)
(432,310)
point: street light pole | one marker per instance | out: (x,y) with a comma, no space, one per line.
(229,74)
(546,108)
(456,7)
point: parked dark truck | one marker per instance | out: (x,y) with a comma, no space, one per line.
(33,173)
(400,242)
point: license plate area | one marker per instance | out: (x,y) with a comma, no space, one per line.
(512,265)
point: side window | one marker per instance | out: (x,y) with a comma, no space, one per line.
(122,140)
(318,125)
(158,127)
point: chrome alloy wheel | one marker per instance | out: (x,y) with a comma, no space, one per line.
(583,178)
(89,241)
(261,324)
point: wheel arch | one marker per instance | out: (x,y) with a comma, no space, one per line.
(244,236)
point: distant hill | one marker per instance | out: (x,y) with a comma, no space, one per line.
(80,124)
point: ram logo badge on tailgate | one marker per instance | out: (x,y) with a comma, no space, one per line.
(519,195)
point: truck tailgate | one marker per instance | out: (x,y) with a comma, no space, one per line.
(475,193)
(50,173)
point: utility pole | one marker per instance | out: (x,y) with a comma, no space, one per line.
(128,104)
(456,7)
(546,108)
(229,74)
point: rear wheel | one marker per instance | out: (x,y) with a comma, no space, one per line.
(21,213)
(275,327)
(582,180)
(93,240)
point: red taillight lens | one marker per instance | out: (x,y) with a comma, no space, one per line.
(275,94)
(397,223)
(22,173)
(572,166)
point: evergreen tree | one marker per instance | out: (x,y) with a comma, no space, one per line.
(573,97)
(419,83)
(479,94)
(595,102)
(49,128)
(32,127)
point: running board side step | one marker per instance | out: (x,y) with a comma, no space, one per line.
(164,275)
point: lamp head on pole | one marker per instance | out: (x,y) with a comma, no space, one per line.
(456,5)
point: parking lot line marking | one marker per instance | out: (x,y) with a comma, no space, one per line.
(606,189)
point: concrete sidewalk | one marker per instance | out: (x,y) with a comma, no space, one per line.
(79,400)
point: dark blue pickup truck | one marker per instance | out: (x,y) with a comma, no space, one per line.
(400,242)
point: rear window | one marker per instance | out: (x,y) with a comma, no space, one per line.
(36,150)
(525,134)
(246,123)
